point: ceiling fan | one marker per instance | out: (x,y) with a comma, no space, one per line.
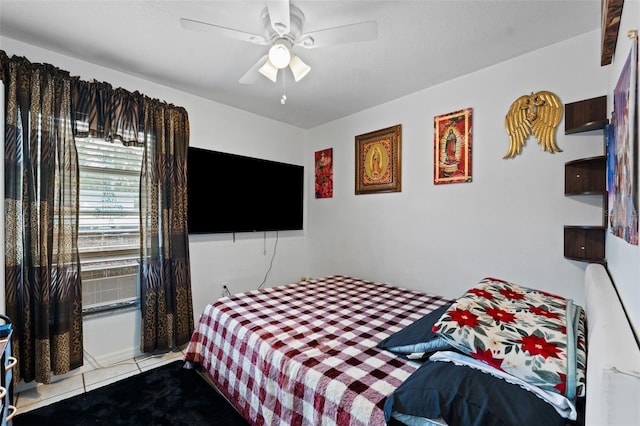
(283,31)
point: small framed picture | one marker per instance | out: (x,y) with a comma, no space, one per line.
(378,161)
(324,173)
(452,146)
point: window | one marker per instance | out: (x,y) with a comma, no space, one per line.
(109,223)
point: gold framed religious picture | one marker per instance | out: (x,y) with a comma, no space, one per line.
(452,147)
(378,161)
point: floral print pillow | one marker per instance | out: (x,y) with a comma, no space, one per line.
(533,335)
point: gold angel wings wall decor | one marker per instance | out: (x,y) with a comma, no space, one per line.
(538,114)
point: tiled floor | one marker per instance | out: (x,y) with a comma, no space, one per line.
(76,384)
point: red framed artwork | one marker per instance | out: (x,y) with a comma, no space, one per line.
(452,147)
(378,161)
(324,173)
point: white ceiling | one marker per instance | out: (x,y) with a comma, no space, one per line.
(420,44)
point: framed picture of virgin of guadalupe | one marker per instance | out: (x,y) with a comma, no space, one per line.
(452,147)
(378,161)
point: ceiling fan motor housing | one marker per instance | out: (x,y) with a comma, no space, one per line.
(295,26)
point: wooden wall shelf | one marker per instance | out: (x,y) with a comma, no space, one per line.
(584,116)
(586,176)
(585,243)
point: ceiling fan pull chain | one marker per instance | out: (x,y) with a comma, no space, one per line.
(283,100)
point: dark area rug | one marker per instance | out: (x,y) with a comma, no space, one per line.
(167,395)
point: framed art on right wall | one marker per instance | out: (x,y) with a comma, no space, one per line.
(622,154)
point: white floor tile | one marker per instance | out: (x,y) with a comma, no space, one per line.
(47,394)
(104,376)
(73,385)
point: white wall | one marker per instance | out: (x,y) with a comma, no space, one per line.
(507,223)
(624,259)
(242,264)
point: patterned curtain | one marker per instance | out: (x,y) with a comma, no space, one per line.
(165,280)
(165,299)
(45,108)
(42,267)
(107,113)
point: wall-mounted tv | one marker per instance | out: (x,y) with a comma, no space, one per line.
(234,193)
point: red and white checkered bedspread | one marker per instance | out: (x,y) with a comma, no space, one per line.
(304,353)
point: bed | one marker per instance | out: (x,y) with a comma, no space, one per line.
(304,353)
(313,353)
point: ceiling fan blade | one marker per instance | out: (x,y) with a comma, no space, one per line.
(279,15)
(191,24)
(352,33)
(252,75)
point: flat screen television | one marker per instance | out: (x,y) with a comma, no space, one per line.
(234,193)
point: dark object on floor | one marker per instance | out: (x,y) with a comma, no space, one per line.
(167,395)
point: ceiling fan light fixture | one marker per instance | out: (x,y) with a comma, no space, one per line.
(269,71)
(298,68)
(279,55)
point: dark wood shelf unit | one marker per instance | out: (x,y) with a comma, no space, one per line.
(586,176)
(585,243)
(593,125)
(585,116)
